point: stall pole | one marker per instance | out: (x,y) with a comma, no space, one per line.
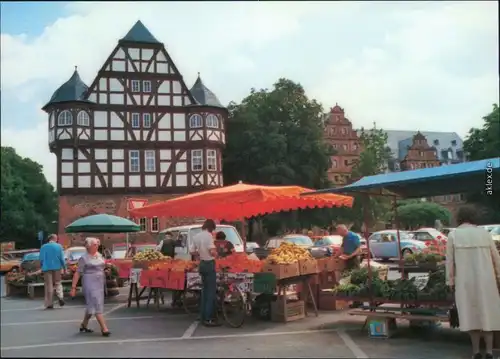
(366,204)
(396,220)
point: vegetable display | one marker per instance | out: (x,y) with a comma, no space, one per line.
(394,290)
(422,257)
(149,255)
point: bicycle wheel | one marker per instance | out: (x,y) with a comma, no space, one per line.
(191,301)
(234,307)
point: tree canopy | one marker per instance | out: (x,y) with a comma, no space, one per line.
(484,143)
(275,137)
(423,214)
(28,201)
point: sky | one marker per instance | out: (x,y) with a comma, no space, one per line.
(430,66)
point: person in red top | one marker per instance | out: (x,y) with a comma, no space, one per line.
(223,246)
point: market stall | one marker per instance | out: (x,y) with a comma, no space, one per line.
(424,299)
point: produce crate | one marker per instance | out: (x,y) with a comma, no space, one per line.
(264,283)
(288,312)
(309,266)
(323,264)
(327,300)
(327,280)
(381,327)
(282,271)
(336,264)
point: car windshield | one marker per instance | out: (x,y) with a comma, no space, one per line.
(75,255)
(301,241)
(119,254)
(495,231)
(231,234)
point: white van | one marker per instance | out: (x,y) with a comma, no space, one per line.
(185,234)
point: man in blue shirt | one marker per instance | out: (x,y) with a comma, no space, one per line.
(53,263)
(351,247)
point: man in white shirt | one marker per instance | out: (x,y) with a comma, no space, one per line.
(203,246)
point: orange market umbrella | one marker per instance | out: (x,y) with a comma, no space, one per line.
(241,201)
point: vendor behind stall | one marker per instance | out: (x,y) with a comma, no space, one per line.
(167,245)
(223,246)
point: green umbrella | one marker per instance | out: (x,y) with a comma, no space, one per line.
(102,223)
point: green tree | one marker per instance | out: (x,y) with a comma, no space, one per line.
(28,201)
(275,137)
(484,143)
(423,214)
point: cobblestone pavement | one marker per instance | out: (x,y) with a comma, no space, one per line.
(27,330)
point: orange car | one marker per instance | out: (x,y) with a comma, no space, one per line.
(9,264)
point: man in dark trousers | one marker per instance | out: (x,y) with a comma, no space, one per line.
(203,246)
(350,251)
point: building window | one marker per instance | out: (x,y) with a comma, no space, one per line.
(149,161)
(344,131)
(334,163)
(345,147)
(136,120)
(136,86)
(146,120)
(154,224)
(453,142)
(436,142)
(335,146)
(195,121)
(196,160)
(143,224)
(421,154)
(211,160)
(83,118)
(354,147)
(212,121)
(146,86)
(134,162)
(346,163)
(65,118)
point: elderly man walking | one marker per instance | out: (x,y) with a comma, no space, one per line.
(52,263)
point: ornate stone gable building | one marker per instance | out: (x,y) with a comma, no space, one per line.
(137,131)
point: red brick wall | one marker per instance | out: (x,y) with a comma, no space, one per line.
(73,207)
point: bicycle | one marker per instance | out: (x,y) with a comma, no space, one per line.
(231,301)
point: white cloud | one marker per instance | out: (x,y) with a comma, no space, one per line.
(406,65)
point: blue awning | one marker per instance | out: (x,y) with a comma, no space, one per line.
(464,177)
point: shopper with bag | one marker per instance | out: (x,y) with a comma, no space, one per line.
(473,270)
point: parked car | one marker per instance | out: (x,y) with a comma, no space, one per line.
(251,247)
(30,262)
(275,242)
(495,233)
(73,254)
(334,242)
(384,244)
(490,227)
(9,263)
(429,235)
(184,236)
(447,231)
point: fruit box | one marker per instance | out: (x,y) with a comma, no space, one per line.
(308,266)
(327,280)
(336,264)
(282,271)
(327,300)
(287,312)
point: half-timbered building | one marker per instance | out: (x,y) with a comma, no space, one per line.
(137,132)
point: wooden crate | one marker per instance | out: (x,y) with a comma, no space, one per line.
(282,271)
(327,300)
(288,312)
(336,265)
(309,266)
(327,280)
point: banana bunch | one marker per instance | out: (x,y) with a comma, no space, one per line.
(288,253)
(149,255)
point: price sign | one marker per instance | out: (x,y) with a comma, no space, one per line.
(135,275)
(421,281)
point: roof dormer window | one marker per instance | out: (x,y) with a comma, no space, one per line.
(83,119)
(65,118)
(436,142)
(453,142)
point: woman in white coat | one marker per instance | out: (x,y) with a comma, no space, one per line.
(473,269)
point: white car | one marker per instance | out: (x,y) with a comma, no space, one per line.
(490,227)
(184,235)
(429,234)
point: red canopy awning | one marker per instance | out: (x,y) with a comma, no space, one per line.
(241,201)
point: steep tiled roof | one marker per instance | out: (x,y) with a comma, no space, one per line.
(72,90)
(203,95)
(139,33)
